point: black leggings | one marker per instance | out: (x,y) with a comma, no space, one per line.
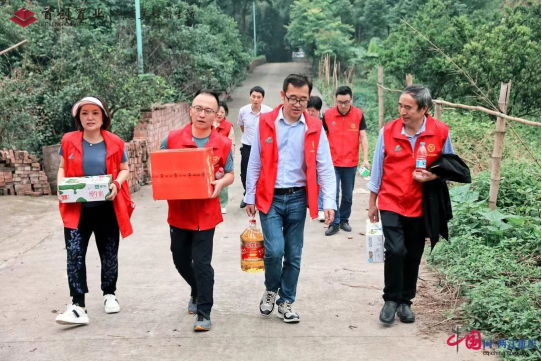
(102,221)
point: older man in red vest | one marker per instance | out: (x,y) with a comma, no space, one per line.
(288,152)
(398,187)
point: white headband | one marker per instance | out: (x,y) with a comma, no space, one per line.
(87,100)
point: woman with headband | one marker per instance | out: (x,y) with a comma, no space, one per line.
(92,150)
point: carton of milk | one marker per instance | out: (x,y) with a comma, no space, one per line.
(374,241)
(84,189)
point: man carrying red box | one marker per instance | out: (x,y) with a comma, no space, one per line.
(192,237)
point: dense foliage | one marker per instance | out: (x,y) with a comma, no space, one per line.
(185,47)
(493,41)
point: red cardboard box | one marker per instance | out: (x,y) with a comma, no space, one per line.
(182,173)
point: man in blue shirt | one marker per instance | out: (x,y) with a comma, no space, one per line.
(282,188)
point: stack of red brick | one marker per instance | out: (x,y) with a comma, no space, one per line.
(21,174)
(138,161)
(154,125)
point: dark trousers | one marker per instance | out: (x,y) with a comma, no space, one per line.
(245,155)
(192,253)
(346,177)
(102,221)
(403,245)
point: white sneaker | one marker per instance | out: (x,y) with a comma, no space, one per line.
(224,210)
(287,313)
(74,315)
(111,305)
(321,216)
(267,303)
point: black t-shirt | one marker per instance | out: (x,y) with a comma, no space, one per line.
(362,125)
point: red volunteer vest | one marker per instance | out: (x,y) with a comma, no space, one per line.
(343,136)
(197,214)
(269,155)
(224,128)
(72,151)
(399,192)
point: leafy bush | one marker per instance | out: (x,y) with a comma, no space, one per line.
(493,257)
(43,79)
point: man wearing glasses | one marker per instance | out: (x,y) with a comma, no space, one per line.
(249,115)
(345,127)
(289,151)
(192,222)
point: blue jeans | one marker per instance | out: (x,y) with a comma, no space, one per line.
(282,230)
(346,177)
(320,198)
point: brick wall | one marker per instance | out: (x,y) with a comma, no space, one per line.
(154,125)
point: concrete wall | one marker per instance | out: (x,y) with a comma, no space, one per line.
(51,162)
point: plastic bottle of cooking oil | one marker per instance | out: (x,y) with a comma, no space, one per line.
(252,249)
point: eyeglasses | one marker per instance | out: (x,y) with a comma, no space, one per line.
(345,103)
(198,109)
(294,101)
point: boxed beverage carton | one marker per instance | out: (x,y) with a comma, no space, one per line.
(364,172)
(374,241)
(84,189)
(182,173)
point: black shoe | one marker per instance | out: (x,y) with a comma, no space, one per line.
(243,204)
(387,315)
(405,314)
(332,230)
(345,227)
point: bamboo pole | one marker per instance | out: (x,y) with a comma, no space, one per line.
(13,47)
(328,64)
(488,111)
(438,111)
(334,73)
(500,130)
(408,79)
(380,97)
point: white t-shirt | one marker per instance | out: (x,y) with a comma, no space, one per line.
(250,120)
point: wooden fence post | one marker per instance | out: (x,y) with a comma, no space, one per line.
(500,129)
(408,79)
(380,97)
(438,111)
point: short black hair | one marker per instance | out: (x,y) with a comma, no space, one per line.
(343,90)
(421,94)
(297,80)
(315,102)
(209,92)
(257,89)
(223,105)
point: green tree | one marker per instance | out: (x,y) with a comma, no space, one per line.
(374,21)
(317,27)
(507,50)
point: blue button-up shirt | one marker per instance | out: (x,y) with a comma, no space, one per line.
(291,163)
(378,158)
